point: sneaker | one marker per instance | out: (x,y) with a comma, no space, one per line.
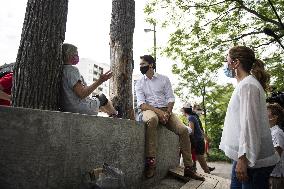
(189,172)
(150,167)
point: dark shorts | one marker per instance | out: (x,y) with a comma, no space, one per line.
(199,147)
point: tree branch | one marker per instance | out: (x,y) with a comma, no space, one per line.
(274,10)
(264,44)
(220,16)
(203,6)
(242,36)
(264,18)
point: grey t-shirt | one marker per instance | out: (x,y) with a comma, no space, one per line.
(70,101)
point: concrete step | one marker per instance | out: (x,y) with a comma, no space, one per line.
(168,182)
(211,181)
(175,182)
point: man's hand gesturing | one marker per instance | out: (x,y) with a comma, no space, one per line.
(106,76)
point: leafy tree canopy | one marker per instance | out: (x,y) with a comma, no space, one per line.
(205,30)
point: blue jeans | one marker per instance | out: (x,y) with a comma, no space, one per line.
(258,178)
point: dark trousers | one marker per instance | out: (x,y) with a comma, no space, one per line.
(258,178)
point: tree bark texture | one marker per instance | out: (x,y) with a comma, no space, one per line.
(121,50)
(37,73)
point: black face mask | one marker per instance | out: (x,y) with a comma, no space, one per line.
(144,69)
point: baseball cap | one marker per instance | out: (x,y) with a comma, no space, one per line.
(187,105)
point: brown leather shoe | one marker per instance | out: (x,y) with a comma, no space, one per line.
(150,167)
(189,172)
(211,168)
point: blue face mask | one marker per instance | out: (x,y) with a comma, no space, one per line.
(229,73)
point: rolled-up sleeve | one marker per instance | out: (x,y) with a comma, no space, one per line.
(249,142)
(139,94)
(169,91)
(278,139)
(73,76)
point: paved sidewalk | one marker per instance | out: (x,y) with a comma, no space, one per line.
(211,182)
(169,183)
(223,169)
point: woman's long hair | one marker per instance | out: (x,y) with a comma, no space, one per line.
(250,64)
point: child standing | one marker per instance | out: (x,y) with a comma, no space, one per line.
(276,116)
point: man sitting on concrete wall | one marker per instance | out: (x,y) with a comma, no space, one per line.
(75,93)
(156,99)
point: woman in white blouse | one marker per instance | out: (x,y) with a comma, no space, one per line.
(276,117)
(246,138)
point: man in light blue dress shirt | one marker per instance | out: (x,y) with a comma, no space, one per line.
(156,100)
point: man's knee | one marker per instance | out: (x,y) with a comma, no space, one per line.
(183,130)
(153,121)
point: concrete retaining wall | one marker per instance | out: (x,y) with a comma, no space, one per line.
(45,149)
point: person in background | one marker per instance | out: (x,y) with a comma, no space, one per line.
(197,112)
(197,141)
(276,116)
(75,93)
(5,88)
(246,138)
(156,99)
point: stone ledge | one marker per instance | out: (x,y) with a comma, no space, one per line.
(48,149)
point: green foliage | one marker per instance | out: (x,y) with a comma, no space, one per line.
(183,119)
(205,30)
(217,155)
(217,103)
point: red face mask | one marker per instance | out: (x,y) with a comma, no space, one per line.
(75,60)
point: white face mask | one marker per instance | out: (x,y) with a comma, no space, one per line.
(199,112)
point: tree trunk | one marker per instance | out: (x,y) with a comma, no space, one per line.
(37,73)
(121,49)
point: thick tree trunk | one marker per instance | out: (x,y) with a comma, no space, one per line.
(37,73)
(121,49)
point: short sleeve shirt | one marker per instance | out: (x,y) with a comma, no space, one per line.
(278,141)
(6,83)
(70,101)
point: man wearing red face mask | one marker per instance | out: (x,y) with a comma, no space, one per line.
(75,93)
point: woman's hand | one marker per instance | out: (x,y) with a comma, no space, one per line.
(241,169)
